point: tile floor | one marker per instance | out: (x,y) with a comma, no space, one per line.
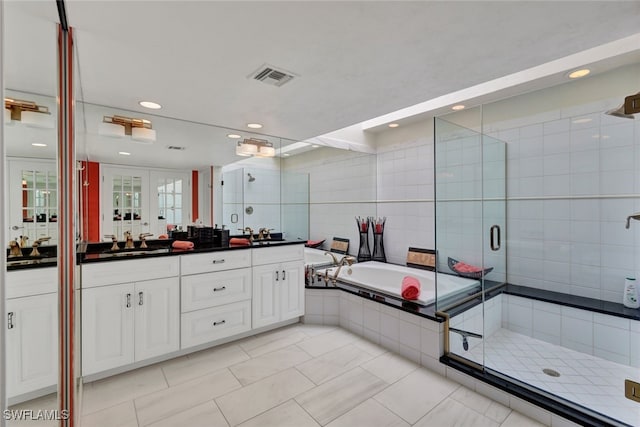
(298,376)
(584,379)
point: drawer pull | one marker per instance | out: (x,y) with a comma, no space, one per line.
(222,288)
(218,261)
(277,276)
(10,315)
(284,275)
(222,322)
(140,300)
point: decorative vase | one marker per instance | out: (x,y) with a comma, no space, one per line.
(364,254)
(378,240)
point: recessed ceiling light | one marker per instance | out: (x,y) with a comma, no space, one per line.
(582,120)
(254,125)
(286,154)
(150,104)
(234,136)
(39,144)
(393,125)
(579,73)
(314,146)
(457,107)
(124,153)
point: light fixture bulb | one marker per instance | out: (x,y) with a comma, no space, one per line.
(254,125)
(150,104)
(393,125)
(143,135)
(579,73)
(266,151)
(458,107)
(124,153)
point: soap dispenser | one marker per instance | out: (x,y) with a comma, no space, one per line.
(630,296)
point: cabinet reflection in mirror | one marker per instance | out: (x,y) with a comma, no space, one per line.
(33,195)
(129,205)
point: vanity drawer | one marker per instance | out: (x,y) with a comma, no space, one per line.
(34,281)
(213,289)
(203,326)
(272,255)
(215,261)
(128,271)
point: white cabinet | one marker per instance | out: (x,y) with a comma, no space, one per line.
(216,296)
(32,343)
(129,322)
(278,292)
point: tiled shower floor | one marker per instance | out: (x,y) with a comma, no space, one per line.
(584,379)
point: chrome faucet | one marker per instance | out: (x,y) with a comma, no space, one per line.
(344,260)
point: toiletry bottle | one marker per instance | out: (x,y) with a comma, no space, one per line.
(630,296)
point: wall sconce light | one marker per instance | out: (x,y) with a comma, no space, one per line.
(255,147)
(118,126)
(28,113)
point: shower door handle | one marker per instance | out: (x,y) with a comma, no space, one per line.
(494,237)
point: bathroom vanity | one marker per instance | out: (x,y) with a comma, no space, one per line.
(143,309)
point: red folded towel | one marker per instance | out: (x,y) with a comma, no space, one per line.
(163,236)
(239,241)
(410,287)
(466,268)
(182,245)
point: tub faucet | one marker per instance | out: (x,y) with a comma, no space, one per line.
(344,260)
(335,260)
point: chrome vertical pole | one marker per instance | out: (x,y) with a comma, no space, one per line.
(3,236)
(66,227)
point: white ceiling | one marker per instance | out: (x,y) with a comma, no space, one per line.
(355,60)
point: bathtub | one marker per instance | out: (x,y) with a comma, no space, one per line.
(316,257)
(387,279)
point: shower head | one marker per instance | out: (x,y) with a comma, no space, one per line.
(629,107)
(635,216)
(251,178)
(619,112)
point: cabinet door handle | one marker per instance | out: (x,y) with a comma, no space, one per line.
(140,300)
(10,319)
(222,322)
(494,237)
(218,261)
(277,275)
(128,301)
(221,288)
(284,275)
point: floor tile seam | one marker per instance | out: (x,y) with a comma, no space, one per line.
(312,381)
(120,403)
(272,351)
(407,421)
(333,349)
(199,376)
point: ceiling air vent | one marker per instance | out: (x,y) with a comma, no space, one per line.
(175,147)
(271,75)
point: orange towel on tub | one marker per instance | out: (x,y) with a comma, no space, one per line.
(182,245)
(410,287)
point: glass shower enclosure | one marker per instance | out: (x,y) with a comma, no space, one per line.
(470,210)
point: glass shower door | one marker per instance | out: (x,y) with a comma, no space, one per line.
(470,235)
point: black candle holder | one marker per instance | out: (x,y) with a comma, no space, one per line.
(378,240)
(364,254)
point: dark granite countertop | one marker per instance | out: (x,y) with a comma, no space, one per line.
(100,252)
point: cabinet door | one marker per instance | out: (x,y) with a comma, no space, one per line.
(266,301)
(157,318)
(292,290)
(32,346)
(107,327)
